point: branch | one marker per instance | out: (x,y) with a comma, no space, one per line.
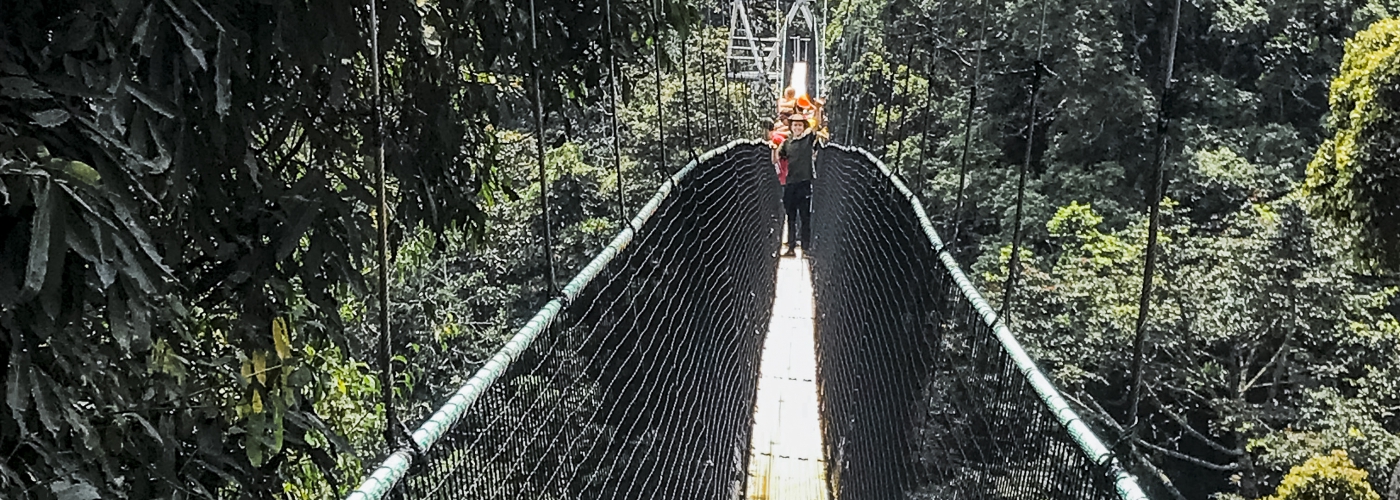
(1283,346)
(1161,476)
(1099,413)
(1187,458)
(1181,421)
(957,53)
(296,146)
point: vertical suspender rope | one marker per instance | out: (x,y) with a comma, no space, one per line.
(967,127)
(853,123)
(685,94)
(1154,221)
(923,126)
(923,141)
(386,367)
(819,89)
(612,114)
(876,108)
(883,131)
(843,89)
(663,169)
(923,123)
(903,111)
(553,283)
(705,83)
(847,84)
(1013,268)
(863,136)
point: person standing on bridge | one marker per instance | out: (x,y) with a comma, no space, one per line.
(799,151)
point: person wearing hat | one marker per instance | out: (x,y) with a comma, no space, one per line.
(799,150)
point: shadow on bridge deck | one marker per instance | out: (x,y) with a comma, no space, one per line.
(785,460)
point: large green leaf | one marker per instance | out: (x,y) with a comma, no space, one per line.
(50,118)
(65,490)
(39,239)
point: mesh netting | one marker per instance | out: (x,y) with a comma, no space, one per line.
(919,396)
(643,387)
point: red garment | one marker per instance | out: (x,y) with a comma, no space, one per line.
(782,171)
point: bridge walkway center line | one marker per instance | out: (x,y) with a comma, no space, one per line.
(785,455)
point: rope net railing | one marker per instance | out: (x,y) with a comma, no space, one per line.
(923,392)
(638,382)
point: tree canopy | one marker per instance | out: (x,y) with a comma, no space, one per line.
(1356,173)
(188,200)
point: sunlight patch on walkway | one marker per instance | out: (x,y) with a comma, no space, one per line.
(785,461)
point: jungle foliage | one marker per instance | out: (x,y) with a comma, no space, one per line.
(188,221)
(1272,333)
(1354,174)
(187,215)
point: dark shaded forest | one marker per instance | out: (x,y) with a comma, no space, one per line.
(187,295)
(1271,342)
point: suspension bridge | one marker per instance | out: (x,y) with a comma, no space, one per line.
(689,360)
(641,379)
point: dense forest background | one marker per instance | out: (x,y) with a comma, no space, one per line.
(1272,337)
(187,269)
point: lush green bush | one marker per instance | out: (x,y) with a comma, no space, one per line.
(1325,477)
(1356,174)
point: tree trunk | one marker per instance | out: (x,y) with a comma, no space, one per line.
(1249,481)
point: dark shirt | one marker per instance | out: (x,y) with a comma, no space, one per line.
(798,152)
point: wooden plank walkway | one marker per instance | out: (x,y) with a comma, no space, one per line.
(785,456)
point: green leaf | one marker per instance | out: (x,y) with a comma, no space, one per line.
(253,441)
(83,172)
(106,273)
(74,491)
(311,421)
(50,118)
(143,28)
(15,395)
(119,319)
(48,410)
(300,377)
(187,33)
(292,233)
(18,87)
(277,428)
(38,265)
(160,106)
(433,29)
(90,438)
(223,96)
(131,264)
(150,429)
(138,232)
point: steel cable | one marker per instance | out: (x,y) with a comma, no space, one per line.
(920,396)
(644,386)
